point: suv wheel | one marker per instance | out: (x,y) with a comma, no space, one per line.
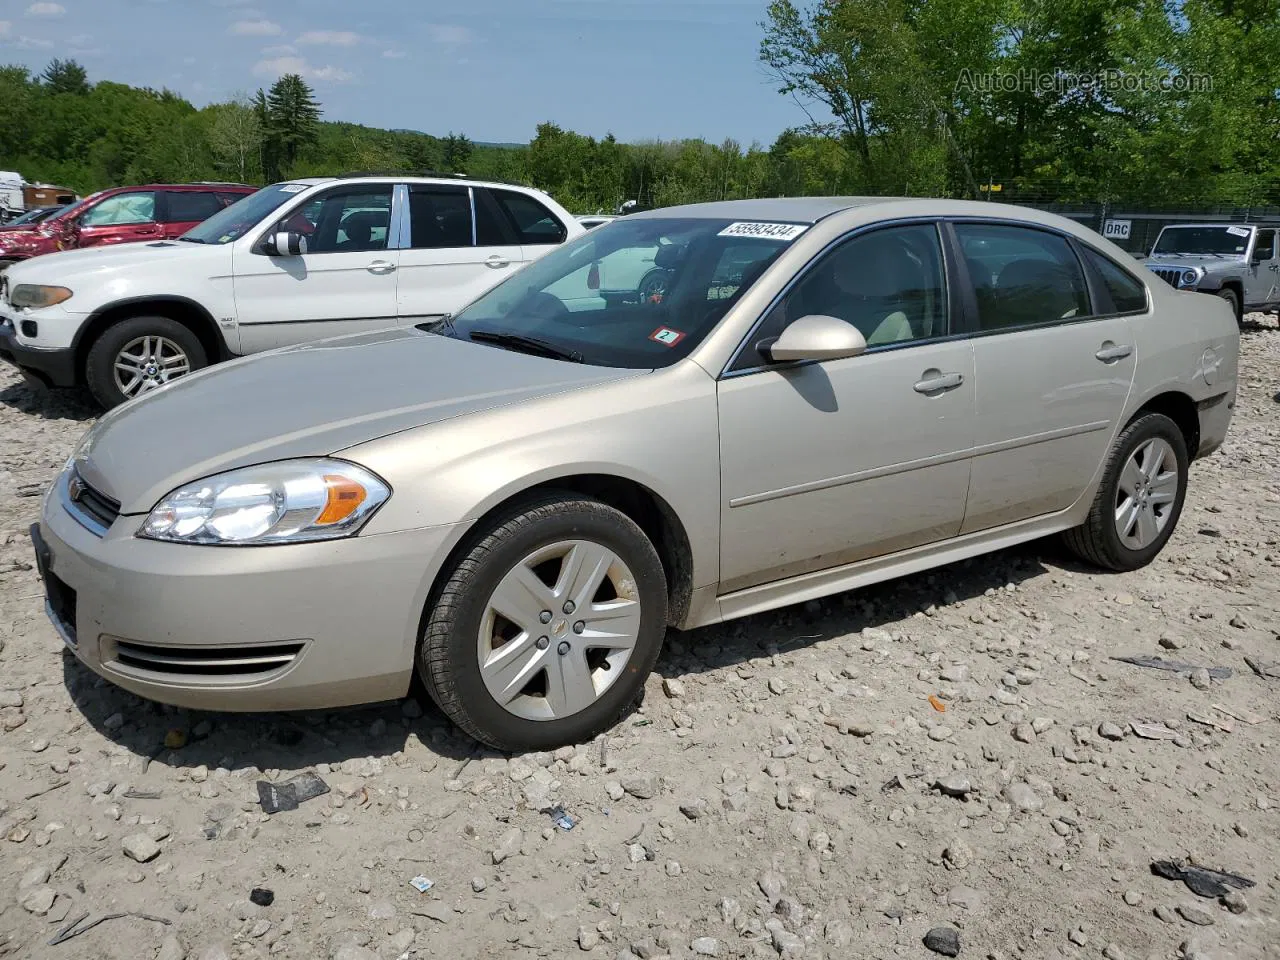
(1233,301)
(545,630)
(140,355)
(1140,499)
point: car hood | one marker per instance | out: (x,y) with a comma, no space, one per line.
(311,400)
(107,260)
(1204,260)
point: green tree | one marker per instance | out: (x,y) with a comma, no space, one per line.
(293,119)
(456,153)
(235,136)
(65,76)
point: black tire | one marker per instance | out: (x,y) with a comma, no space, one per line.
(653,283)
(1233,301)
(1096,541)
(447,655)
(99,370)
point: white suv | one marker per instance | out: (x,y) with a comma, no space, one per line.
(293,262)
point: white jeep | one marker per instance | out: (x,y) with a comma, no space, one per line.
(293,262)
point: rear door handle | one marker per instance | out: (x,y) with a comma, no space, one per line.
(497,262)
(1112,352)
(935,382)
(381,267)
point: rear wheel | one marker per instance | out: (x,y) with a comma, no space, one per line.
(1233,300)
(547,626)
(139,355)
(1138,504)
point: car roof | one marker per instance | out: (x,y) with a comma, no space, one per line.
(406,177)
(1214,226)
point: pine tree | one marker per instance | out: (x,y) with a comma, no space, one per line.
(293,119)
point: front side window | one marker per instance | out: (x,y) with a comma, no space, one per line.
(1127,294)
(534,223)
(439,217)
(889,283)
(1022,277)
(350,220)
(1264,246)
(121,210)
(638,293)
(190,206)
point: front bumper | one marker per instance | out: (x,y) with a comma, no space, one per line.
(52,367)
(289,627)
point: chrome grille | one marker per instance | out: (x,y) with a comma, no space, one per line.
(92,509)
(194,663)
(1170,275)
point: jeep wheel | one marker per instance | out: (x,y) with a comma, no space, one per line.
(1233,301)
(140,355)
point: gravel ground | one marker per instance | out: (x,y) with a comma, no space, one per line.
(787,788)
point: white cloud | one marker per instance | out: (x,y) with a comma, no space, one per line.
(256,28)
(278,66)
(393,54)
(46,10)
(34,43)
(279,50)
(331,38)
(448,33)
(5,28)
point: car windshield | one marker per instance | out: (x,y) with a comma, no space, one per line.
(636,293)
(1224,241)
(34,216)
(233,222)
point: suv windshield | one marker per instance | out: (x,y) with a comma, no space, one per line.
(632,293)
(1226,241)
(231,223)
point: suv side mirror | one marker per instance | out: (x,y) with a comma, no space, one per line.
(285,243)
(816,337)
(1260,254)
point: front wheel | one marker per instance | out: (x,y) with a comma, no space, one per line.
(546,628)
(139,355)
(1233,301)
(1140,499)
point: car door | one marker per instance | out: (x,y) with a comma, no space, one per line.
(829,463)
(1054,371)
(121,218)
(345,282)
(184,209)
(456,245)
(1264,271)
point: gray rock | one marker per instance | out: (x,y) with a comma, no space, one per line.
(140,847)
(771,884)
(39,900)
(1132,897)
(706,947)
(1078,937)
(382,910)
(1110,731)
(940,733)
(1023,797)
(956,673)
(1234,901)
(1200,678)
(944,941)
(478,884)
(436,910)
(954,785)
(673,688)
(1195,915)
(642,788)
(508,845)
(1024,733)
(694,810)
(34,877)
(588,938)
(402,941)
(352,952)
(171,949)
(10,698)
(1113,952)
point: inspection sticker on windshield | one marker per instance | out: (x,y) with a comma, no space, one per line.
(764,231)
(666,336)
(1237,231)
(293,188)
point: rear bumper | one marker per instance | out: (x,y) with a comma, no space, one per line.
(54,368)
(1215,417)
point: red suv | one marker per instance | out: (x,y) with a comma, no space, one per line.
(121,215)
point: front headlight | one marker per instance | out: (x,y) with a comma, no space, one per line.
(289,502)
(35,296)
(1190,277)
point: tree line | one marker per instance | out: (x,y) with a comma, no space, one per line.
(898,97)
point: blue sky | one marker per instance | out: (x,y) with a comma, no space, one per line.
(492,69)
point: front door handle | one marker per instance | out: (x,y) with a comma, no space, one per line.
(1112,352)
(497,262)
(935,382)
(381,267)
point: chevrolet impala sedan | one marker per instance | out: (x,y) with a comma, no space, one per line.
(518,501)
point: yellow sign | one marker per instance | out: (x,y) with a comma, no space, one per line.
(993,187)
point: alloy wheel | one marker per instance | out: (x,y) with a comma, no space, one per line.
(146,363)
(559,630)
(1146,493)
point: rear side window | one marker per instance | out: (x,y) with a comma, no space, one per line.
(1022,277)
(439,217)
(121,210)
(493,228)
(1127,294)
(190,206)
(534,223)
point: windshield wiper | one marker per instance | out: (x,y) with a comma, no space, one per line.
(190,239)
(439,324)
(526,344)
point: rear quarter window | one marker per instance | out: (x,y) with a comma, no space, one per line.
(1127,294)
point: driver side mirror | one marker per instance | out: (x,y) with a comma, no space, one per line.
(285,243)
(816,337)
(1260,255)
